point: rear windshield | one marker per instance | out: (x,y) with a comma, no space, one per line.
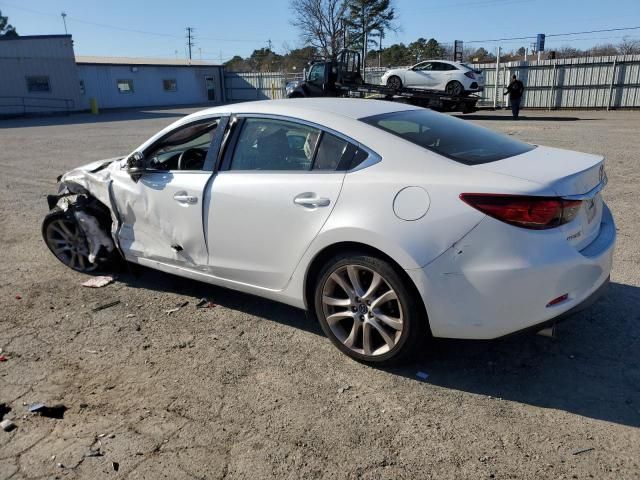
(459,140)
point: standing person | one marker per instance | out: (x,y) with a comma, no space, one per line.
(515,91)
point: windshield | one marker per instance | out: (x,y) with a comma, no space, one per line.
(459,140)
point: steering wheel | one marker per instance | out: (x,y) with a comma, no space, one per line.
(189,157)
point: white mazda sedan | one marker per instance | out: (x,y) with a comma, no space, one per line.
(387,222)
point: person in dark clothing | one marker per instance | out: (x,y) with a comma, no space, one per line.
(515,91)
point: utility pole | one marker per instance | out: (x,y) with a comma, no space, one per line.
(64,20)
(190,40)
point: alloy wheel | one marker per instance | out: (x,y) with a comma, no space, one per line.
(362,310)
(68,243)
(395,83)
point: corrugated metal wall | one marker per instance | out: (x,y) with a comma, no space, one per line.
(254,86)
(591,82)
(100,82)
(48,56)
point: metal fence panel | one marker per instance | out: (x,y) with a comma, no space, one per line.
(588,82)
(254,86)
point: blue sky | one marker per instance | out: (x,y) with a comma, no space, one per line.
(224,28)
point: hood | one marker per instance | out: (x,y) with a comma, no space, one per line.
(96,166)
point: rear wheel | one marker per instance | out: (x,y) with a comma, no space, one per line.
(454,88)
(394,82)
(367,309)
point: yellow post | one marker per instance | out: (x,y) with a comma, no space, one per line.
(93,104)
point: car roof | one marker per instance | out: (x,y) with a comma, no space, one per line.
(438,60)
(353,108)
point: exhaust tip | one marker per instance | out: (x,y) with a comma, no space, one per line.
(549,332)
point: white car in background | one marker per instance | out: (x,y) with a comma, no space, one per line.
(385,221)
(453,78)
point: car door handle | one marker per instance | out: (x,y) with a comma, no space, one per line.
(183,197)
(311,200)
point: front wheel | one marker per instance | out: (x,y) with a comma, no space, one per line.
(394,82)
(368,310)
(69,244)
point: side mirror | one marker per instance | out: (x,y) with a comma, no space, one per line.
(135,165)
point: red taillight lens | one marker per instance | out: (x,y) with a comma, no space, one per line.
(471,75)
(537,213)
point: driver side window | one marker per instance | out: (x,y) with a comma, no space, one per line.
(316,74)
(183,149)
(425,67)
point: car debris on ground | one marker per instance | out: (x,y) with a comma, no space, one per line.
(106,305)
(99,282)
(205,303)
(7,425)
(54,411)
(175,309)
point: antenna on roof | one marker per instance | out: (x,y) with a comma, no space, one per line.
(64,20)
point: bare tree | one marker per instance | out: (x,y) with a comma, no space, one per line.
(629,46)
(320,23)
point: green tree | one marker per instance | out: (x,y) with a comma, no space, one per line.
(236,64)
(6,29)
(366,19)
(481,55)
(423,49)
(298,58)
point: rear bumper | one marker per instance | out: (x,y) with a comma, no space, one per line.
(499,279)
(585,304)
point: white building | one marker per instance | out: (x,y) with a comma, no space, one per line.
(41,74)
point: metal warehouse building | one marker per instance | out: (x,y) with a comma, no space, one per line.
(136,82)
(38,74)
(41,74)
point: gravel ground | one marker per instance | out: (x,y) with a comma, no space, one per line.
(251,388)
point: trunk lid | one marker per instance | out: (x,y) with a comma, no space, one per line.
(564,171)
(572,175)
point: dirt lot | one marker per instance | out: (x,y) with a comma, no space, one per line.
(251,388)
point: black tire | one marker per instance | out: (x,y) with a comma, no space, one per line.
(454,88)
(105,262)
(394,82)
(414,330)
(296,95)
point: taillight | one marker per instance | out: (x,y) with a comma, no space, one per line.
(471,75)
(538,213)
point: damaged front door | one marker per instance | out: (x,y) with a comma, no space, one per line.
(161,208)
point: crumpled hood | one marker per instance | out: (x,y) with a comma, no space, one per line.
(93,177)
(94,166)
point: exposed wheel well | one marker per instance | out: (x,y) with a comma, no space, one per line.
(324,255)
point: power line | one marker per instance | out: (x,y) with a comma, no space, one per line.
(123,29)
(553,35)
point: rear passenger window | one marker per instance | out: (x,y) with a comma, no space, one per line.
(330,152)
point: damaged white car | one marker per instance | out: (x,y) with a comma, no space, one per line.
(387,222)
